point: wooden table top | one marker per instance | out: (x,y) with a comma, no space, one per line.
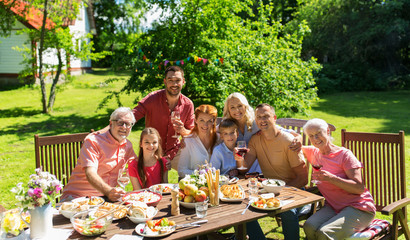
(223,216)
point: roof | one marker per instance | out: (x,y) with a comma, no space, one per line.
(33,18)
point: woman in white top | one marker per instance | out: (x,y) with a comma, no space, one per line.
(199,145)
(237,108)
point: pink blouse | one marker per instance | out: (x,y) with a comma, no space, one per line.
(338,163)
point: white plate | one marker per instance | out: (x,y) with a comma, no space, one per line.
(141,226)
(171,186)
(225,199)
(187,205)
(143,220)
(267,209)
(69,213)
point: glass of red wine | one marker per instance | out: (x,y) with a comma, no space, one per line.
(316,167)
(241,146)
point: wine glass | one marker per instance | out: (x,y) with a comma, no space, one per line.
(316,167)
(175,116)
(123,177)
(241,146)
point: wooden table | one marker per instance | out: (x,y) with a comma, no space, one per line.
(223,216)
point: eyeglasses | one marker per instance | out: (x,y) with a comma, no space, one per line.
(121,123)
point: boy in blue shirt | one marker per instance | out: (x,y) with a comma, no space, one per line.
(222,156)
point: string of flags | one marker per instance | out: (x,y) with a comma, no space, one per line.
(186,60)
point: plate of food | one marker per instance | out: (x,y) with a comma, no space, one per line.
(140,212)
(148,197)
(231,193)
(164,188)
(267,202)
(233,180)
(68,209)
(106,207)
(155,228)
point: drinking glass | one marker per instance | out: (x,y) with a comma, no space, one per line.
(241,146)
(201,209)
(175,116)
(123,177)
(316,167)
(253,188)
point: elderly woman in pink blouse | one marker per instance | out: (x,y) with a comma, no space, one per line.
(349,205)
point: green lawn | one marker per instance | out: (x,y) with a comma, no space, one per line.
(75,111)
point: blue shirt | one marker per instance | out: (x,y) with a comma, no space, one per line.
(222,158)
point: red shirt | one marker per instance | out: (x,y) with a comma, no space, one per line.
(154,107)
(153,173)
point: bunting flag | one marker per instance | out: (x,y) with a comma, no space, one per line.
(196,59)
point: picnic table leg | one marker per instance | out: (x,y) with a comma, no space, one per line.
(240,231)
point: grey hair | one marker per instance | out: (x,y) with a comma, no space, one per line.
(122,111)
(316,122)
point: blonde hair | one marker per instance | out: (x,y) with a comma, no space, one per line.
(249,113)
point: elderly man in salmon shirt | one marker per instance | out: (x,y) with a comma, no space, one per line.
(101,158)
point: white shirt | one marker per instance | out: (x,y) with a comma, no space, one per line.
(192,155)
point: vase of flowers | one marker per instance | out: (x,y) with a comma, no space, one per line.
(38,196)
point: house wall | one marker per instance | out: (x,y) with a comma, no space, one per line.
(80,28)
(10,59)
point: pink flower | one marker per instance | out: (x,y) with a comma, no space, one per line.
(30,192)
(38,192)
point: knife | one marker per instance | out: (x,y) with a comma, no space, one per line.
(193,224)
(247,206)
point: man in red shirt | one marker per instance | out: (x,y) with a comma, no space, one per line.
(157,107)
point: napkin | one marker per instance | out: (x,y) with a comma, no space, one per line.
(57,233)
(285,202)
(126,237)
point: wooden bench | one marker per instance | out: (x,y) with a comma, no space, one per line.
(384,174)
(58,154)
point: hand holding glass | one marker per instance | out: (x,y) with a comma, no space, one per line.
(241,146)
(123,178)
(316,167)
(175,116)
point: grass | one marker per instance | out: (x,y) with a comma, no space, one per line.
(75,111)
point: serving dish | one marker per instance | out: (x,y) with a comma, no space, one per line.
(164,188)
(148,197)
(273,185)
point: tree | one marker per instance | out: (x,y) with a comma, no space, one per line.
(55,38)
(118,27)
(255,57)
(363,45)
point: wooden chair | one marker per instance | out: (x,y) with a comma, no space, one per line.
(382,156)
(58,154)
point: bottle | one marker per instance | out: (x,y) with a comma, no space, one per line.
(175,202)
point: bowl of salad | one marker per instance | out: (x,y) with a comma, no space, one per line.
(87,223)
(273,185)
